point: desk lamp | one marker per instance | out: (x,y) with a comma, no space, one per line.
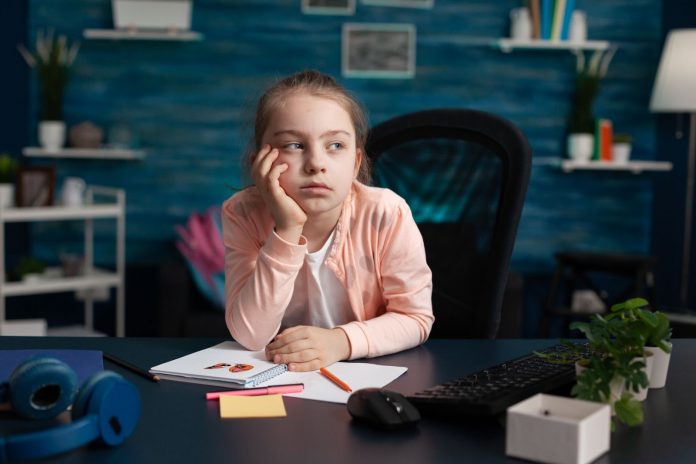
(675,92)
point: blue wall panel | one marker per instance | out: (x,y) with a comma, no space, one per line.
(192,103)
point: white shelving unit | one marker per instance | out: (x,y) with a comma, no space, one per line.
(85,153)
(92,278)
(508,45)
(636,167)
(134,34)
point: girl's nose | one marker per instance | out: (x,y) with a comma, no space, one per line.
(315,160)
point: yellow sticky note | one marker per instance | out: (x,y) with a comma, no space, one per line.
(236,407)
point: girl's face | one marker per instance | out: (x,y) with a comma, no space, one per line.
(316,139)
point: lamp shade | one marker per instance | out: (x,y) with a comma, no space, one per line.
(675,84)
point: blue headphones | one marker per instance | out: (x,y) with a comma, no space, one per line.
(106,407)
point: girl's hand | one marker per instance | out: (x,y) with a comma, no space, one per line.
(306,348)
(289,218)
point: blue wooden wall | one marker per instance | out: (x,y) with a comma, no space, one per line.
(191,104)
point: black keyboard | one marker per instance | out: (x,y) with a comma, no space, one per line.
(490,391)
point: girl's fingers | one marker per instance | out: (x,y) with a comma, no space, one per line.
(292,347)
(312,365)
(264,161)
(258,157)
(303,356)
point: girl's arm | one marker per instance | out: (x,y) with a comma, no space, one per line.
(259,276)
(406,289)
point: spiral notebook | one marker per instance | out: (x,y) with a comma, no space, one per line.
(226,364)
(229,365)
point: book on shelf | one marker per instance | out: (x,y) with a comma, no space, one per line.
(545,14)
(554,17)
(603,140)
(557,19)
(567,15)
(534,11)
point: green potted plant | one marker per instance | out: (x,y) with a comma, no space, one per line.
(8,171)
(52,59)
(616,368)
(621,148)
(655,328)
(581,121)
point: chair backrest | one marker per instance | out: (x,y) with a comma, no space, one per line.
(464,174)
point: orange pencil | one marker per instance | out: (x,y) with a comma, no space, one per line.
(334,379)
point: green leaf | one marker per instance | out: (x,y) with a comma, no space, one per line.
(629,411)
(635,303)
(649,318)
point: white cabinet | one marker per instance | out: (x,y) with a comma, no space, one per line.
(112,204)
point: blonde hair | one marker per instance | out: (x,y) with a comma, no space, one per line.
(316,84)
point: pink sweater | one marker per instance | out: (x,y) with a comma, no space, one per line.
(377,254)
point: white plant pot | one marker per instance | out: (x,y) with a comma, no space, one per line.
(621,153)
(580,147)
(658,375)
(52,135)
(7,195)
(152,14)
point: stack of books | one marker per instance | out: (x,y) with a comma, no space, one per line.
(551,18)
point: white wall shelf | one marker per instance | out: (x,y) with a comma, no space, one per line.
(134,34)
(636,167)
(85,153)
(508,45)
(91,278)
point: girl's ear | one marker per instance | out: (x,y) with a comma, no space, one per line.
(358,161)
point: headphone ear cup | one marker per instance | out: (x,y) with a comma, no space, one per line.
(114,402)
(42,388)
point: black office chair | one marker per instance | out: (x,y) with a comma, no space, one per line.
(464,173)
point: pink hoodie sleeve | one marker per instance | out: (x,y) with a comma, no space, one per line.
(259,278)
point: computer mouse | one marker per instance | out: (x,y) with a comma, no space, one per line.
(382,408)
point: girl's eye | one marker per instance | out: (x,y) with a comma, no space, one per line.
(292,146)
(336,146)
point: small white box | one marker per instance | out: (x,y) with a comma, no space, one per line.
(558,430)
(152,14)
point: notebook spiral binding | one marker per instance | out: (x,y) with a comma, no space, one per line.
(266,375)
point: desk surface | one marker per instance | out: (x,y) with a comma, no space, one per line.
(178,425)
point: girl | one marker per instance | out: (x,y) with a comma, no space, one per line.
(319,267)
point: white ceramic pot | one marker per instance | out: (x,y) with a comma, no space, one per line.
(620,152)
(73,191)
(658,376)
(7,195)
(580,147)
(52,135)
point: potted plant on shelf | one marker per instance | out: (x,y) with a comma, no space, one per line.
(581,121)
(8,171)
(52,59)
(621,148)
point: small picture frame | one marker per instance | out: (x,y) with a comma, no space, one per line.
(328,7)
(35,185)
(378,50)
(425,4)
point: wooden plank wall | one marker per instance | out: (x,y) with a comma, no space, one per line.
(191,103)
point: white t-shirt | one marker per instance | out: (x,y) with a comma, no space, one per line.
(318,298)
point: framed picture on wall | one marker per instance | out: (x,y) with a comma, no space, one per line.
(328,7)
(378,50)
(401,3)
(35,185)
